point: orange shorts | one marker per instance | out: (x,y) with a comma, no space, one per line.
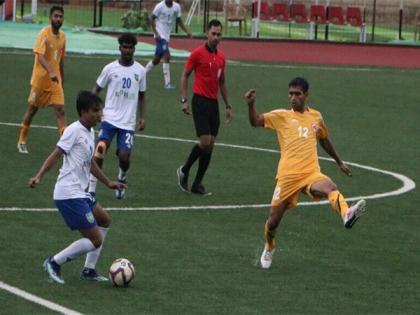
(40,98)
(289,187)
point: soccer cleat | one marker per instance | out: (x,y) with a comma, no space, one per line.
(200,190)
(354,213)
(169,86)
(120,194)
(53,270)
(91,275)
(182,179)
(267,257)
(22,148)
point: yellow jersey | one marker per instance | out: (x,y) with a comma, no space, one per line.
(298,135)
(53,48)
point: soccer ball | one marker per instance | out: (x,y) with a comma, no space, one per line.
(121,272)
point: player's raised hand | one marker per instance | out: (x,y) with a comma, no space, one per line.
(33,182)
(250,96)
(142,124)
(345,169)
(185,107)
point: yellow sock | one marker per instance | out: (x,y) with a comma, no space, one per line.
(61,130)
(269,237)
(338,202)
(23,134)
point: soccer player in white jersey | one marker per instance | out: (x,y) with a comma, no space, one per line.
(79,210)
(163,16)
(125,80)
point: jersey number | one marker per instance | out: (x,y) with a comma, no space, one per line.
(126,83)
(129,140)
(303,132)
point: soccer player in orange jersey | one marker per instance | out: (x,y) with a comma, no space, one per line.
(47,76)
(299,129)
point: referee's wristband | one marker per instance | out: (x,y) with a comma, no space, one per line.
(228,107)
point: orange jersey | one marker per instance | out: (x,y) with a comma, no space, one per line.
(298,135)
(53,48)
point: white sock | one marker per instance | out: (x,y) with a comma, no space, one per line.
(92,183)
(74,250)
(121,174)
(93,256)
(149,66)
(166,73)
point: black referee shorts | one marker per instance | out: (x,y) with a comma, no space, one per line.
(206,115)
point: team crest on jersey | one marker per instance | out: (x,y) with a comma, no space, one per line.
(136,77)
(89,217)
(314,127)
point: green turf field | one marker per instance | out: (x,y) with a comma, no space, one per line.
(203,260)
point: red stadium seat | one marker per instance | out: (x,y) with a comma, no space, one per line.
(335,15)
(264,12)
(317,14)
(280,12)
(298,13)
(354,16)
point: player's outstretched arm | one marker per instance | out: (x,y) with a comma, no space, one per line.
(328,147)
(184,28)
(255,119)
(46,166)
(100,175)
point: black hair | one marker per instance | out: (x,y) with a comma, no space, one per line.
(127,38)
(86,100)
(215,23)
(301,82)
(56,8)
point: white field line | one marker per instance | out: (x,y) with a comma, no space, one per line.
(362,68)
(37,300)
(407,183)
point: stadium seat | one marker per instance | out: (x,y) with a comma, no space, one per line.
(298,13)
(354,16)
(317,14)
(264,12)
(235,13)
(335,15)
(280,12)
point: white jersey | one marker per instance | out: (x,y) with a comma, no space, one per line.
(123,86)
(165,17)
(77,144)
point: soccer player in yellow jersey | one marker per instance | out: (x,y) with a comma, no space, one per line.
(47,76)
(299,129)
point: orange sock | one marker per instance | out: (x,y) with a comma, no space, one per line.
(61,130)
(338,202)
(269,237)
(24,129)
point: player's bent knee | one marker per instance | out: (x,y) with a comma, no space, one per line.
(100,151)
(97,242)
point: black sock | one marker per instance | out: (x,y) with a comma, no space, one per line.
(203,164)
(194,155)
